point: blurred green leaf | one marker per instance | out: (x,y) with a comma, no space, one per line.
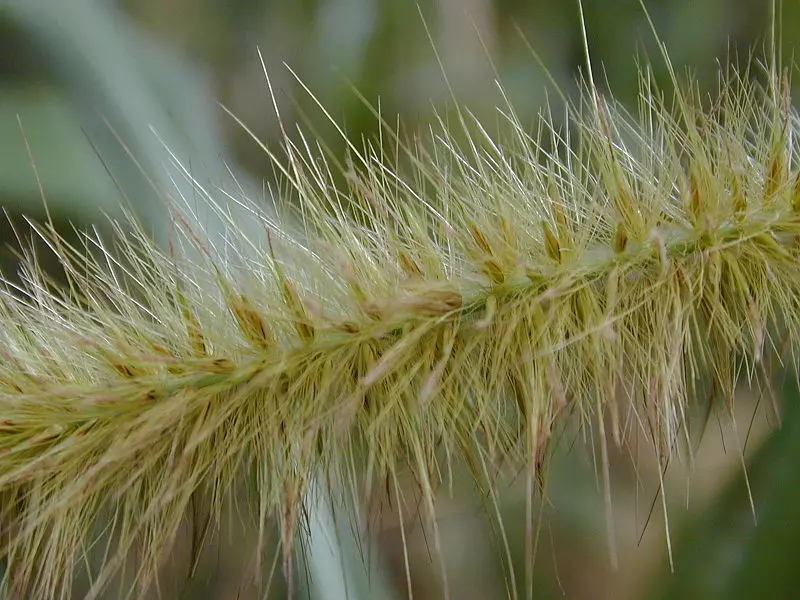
(141,106)
(69,171)
(724,553)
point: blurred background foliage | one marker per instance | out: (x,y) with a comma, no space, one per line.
(92,92)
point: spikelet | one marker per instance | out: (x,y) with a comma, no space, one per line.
(464,308)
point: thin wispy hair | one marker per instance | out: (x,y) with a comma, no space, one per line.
(456,299)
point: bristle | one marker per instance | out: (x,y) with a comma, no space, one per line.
(473,304)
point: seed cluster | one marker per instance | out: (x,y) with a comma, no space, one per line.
(463,309)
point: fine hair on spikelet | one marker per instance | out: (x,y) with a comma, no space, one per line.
(459,298)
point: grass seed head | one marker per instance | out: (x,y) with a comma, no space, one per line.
(474,304)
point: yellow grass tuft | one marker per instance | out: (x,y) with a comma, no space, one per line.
(463,308)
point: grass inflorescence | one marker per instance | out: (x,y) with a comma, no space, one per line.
(463,307)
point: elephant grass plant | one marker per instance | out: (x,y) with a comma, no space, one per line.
(460,298)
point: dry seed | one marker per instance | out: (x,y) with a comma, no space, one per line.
(551,244)
(494,271)
(250,323)
(620,238)
(409,266)
(480,239)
